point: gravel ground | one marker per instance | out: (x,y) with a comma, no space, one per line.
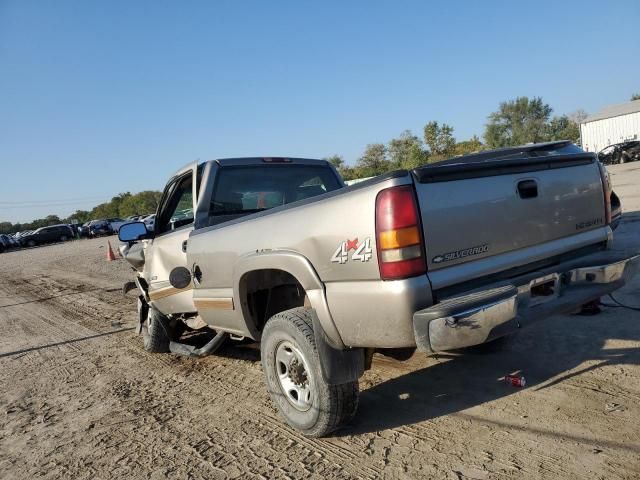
(80,397)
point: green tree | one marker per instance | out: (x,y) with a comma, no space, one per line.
(563,128)
(140,203)
(116,203)
(466,147)
(122,205)
(81,216)
(336,160)
(349,173)
(635,96)
(373,161)
(406,151)
(345,171)
(104,210)
(517,122)
(439,139)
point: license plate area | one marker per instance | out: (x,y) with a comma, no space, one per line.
(544,289)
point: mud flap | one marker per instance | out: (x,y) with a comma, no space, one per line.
(143,312)
(337,366)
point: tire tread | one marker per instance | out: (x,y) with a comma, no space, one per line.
(156,337)
(342,399)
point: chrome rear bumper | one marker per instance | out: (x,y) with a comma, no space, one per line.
(487,314)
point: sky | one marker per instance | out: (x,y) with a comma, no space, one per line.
(103,97)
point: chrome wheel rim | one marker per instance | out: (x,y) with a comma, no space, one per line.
(294,376)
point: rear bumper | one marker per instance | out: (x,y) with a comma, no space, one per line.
(483,315)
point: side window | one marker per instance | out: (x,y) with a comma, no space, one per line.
(178,209)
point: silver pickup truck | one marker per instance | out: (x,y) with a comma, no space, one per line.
(447,256)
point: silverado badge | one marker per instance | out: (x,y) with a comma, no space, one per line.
(465,252)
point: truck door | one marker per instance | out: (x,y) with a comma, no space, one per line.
(167,250)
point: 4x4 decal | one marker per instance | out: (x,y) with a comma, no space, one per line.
(362,252)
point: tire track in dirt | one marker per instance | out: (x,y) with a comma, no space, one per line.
(121,412)
(240,382)
(83,308)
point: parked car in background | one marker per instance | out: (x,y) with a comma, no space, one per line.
(8,241)
(116,223)
(83,230)
(53,233)
(75,228)
(149,221)
(5,243)
(182,215)
(99,228)
(624,152)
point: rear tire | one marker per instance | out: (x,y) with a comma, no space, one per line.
(31,243)
(294,379)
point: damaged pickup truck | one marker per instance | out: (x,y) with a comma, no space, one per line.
(446,256)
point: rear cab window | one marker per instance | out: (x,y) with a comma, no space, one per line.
(243,190)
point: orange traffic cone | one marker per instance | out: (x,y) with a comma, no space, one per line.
(110,256)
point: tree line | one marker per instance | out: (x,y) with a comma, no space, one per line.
(120,206)
(515,122)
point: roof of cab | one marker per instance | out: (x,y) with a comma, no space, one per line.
(227,162)
(243,161)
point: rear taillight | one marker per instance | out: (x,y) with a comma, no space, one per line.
(399,241)
(606,190)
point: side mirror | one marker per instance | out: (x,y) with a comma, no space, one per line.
(132,232)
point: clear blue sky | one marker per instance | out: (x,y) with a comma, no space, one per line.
(102,97)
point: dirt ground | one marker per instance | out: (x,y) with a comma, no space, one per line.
(80,398)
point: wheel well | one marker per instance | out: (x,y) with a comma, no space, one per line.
(263,293)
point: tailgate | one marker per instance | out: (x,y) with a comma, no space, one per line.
(475,210)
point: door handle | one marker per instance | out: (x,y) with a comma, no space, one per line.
(527,189)
(184,246)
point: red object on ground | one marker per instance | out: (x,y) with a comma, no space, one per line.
(515,380)
(110,256)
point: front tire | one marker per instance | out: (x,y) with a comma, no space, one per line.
(156,332)
(294,379)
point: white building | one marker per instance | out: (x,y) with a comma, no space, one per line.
(613,124)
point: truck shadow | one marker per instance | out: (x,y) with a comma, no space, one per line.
(551,352)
